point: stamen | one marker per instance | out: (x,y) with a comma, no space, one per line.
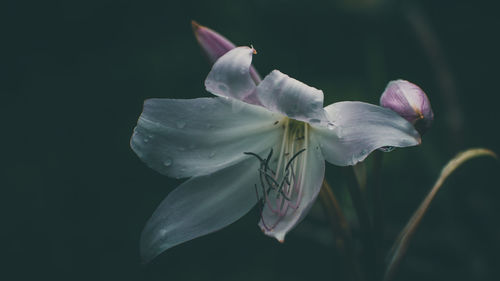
(283,188)
(293,157)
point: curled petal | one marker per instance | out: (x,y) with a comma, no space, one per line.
(215,45)
(280,93)
(185,138)
(357,128)
(279,219)
(200,206)
(230,75)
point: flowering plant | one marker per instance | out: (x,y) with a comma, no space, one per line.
(259,141)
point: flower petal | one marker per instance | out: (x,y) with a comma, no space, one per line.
(200,206)
(184,138)
(311,169)
(280,93)
(230,75)
(357,128)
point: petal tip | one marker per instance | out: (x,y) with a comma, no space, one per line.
(195,25)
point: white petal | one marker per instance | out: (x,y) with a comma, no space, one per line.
(357,128)
(200,206)
(312,171)
(184,138)
(280,93)
(230,75)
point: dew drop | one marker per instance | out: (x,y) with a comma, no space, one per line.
(223,88)
(330,126)
(146,140)
(362,153)
(211,155)
(167,162)
(181,124)
(387,148)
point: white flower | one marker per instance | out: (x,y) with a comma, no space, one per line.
(223,144)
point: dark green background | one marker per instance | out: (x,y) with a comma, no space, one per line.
(74,74)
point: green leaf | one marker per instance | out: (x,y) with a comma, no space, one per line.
(400,246)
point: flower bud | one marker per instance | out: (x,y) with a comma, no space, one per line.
(410,102)
(215,45)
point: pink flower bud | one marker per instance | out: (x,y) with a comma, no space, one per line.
(410,102)
(215,45)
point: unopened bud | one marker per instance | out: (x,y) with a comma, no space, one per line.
(410,102)
(215,45)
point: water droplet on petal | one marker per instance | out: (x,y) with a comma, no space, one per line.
(223,88)
(167,162)
(330,126)
(181,124)
(362,153)
(387,148)
(211,155)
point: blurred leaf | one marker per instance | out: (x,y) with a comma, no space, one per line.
(401,244)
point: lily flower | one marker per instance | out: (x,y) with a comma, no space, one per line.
(262,144)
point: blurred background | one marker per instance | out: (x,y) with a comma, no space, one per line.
(74,75)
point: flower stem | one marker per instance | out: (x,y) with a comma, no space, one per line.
(341,231)
(378,214)
(359,204)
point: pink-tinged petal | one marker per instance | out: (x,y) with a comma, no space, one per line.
(280,215)
(185,138)
(215,45)
(280,93)
(200,206)
(409,101)
(356,129)
(230,75)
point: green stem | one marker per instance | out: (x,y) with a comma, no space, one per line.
(341,231)
(378,214)
(359,204)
